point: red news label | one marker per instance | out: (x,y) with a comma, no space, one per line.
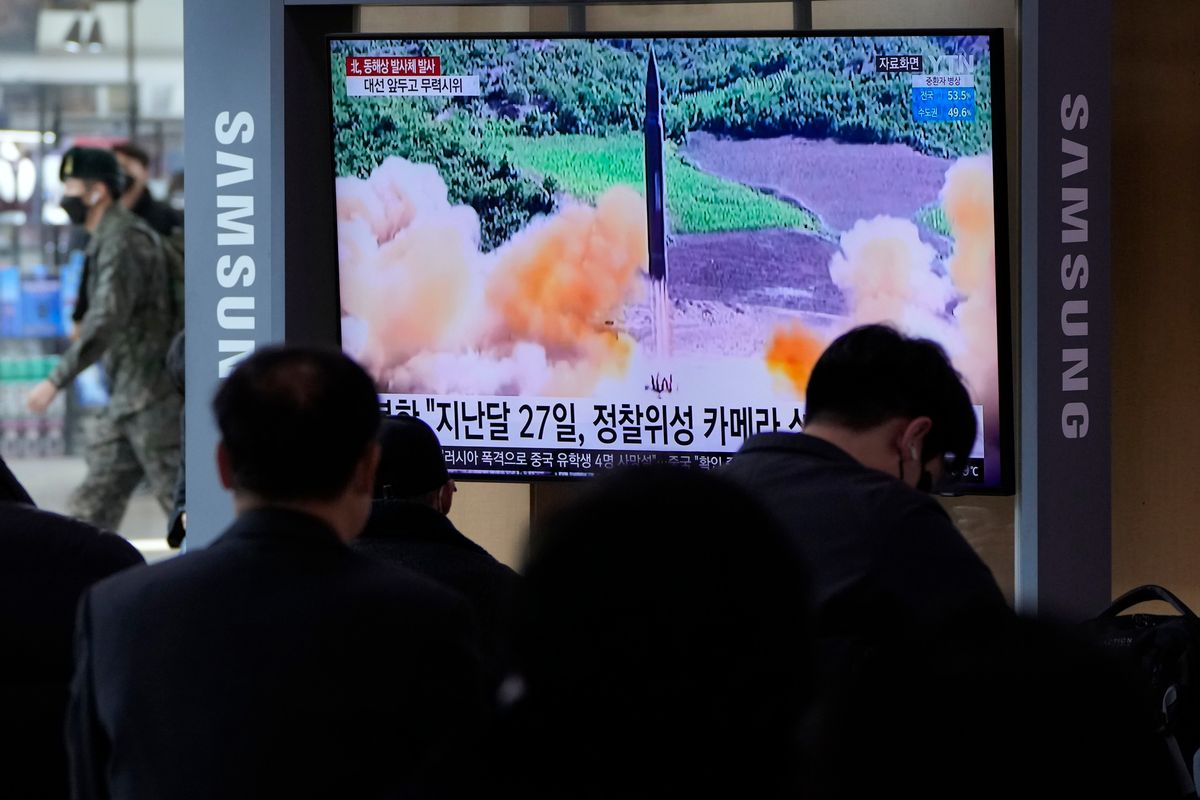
(406,66)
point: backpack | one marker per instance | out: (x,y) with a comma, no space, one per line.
(1164,651)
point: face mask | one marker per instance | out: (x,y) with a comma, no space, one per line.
(76,209)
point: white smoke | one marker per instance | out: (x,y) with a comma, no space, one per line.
(430,313)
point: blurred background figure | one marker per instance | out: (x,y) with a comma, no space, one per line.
(135,165)
(128,326)
(75,74)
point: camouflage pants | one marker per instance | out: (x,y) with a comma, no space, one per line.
(120,452)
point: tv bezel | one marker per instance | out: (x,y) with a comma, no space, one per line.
(1006,485)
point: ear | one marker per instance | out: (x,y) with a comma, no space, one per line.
(363,481)
(447,498)
(912,437)
(224,467)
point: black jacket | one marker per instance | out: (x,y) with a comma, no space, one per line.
(425,541)
(275,663)
(11,489)
(46,563)
(160,216)
(884,558)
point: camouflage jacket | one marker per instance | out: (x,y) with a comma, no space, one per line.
(128,325)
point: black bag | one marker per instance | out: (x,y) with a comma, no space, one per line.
(1165,652)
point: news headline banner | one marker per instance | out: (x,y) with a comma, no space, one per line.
(580,424)
(429,86)
(568,437)
(405,76)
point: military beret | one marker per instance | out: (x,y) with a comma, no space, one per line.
(89,164)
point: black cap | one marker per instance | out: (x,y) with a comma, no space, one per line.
(90,164)
(411,463)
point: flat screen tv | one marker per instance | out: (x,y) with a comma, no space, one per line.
(570,253)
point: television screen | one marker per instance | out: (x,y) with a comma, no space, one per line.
(569,254)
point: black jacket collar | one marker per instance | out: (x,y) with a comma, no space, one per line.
(281,525)
(400,520)
(797,443)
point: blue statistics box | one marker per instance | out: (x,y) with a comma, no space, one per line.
(944,98)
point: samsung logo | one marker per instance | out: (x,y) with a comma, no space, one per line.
(235,266)
(1074,268)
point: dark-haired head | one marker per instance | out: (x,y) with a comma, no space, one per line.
(412,467)
(298,426)
(135,163)
(663,637)
(898,399)
(133,152)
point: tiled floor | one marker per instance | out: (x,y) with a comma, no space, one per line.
(50,481)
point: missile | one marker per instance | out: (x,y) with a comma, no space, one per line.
(656,182)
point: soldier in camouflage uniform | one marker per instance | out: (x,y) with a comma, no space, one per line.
(128,327)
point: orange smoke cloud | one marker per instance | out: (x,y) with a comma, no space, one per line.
(967,201)
(792,353)
(428,312)
(562,278)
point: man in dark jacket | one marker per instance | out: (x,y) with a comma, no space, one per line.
(409,526)
(277,662)
(46,563)
(135,164)
(884,416)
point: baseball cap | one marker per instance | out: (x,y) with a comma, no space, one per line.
(411,462)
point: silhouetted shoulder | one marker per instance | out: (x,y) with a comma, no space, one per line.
(32,540)
(404,585)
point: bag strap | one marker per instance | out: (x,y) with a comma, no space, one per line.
(1146,594)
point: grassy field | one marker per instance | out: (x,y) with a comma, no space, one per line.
(934,218)
(585,166)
